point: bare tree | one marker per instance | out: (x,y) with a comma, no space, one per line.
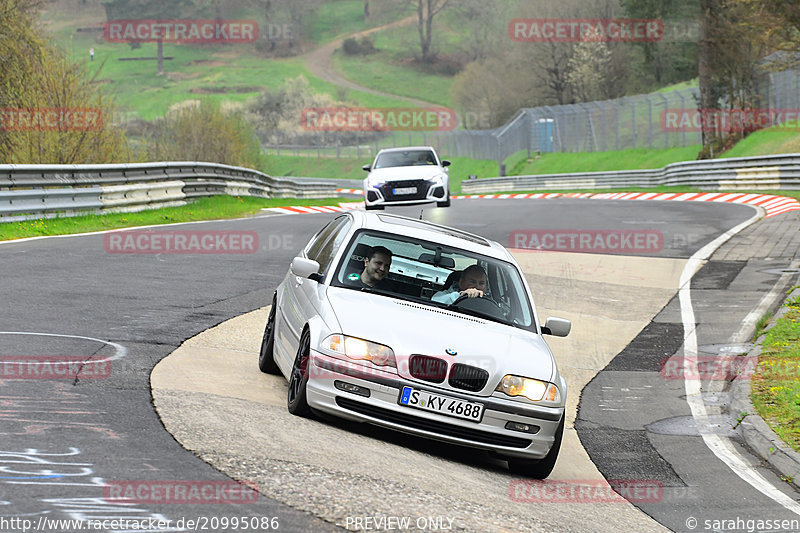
(426,11)
(484,23)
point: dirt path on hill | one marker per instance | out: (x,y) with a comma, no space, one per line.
(319,62)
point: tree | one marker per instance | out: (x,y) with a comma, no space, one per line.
(484,23)
(729,52)
(204,132)
(674,57)
(38,82)
(426,11)
(587,68)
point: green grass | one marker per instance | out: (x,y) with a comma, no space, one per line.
(768,141)
(335,19)
(327,167)
(691,84)
(637,158)
(322,167)
(214,208)
(391,69)
(211,72)
(224,72)
(776,384)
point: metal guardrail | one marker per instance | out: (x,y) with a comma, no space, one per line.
(44,191)
(772,172)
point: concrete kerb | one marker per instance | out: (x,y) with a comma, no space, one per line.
(755,431)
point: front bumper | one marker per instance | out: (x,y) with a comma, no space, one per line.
(381,407)
(426,192)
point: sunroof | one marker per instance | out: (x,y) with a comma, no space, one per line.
(430,226)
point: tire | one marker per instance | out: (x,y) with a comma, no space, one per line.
(298,379)
(266,356)
(540,468)
(446,203)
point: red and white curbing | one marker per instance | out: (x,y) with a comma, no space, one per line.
(773,205)
(303,210)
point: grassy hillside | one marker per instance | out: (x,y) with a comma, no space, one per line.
(390,68)
(222,72)
(765,142)
(639,158)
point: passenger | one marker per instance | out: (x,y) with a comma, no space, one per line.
(376,268)
(472,283)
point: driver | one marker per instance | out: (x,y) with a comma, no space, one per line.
(472,283)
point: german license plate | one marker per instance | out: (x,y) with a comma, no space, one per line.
(445,405)
(405,190)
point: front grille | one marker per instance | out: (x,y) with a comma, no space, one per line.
(428,368)
(421,185)
(468,377)
(433,426)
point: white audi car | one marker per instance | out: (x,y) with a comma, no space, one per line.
(407,176)
(420,328)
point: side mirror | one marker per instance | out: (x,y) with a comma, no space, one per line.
(366,167)
(558,327)
(305,268)
(445,163)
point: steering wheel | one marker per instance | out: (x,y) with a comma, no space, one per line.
(483,304)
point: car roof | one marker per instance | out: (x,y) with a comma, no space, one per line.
(406,149)
(429,231)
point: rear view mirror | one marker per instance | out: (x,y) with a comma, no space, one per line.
(445,163)
(558,327)
(366,167)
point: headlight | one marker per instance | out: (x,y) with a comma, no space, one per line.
(438,179)
(360,350)
(532,389)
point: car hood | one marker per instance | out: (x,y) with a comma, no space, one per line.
(411,328)
(422,172)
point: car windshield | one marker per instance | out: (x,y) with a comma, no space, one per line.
(433,274)
(407,158)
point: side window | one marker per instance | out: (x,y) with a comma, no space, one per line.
(328,241)
(319,240)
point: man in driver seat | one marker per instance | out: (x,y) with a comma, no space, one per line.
(472,283)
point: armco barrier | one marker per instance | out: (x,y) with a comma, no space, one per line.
(37,191)
(773,172)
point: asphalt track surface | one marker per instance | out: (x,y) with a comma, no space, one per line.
(63,439)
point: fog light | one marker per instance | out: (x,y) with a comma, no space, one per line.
(349,387)
(525,428)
